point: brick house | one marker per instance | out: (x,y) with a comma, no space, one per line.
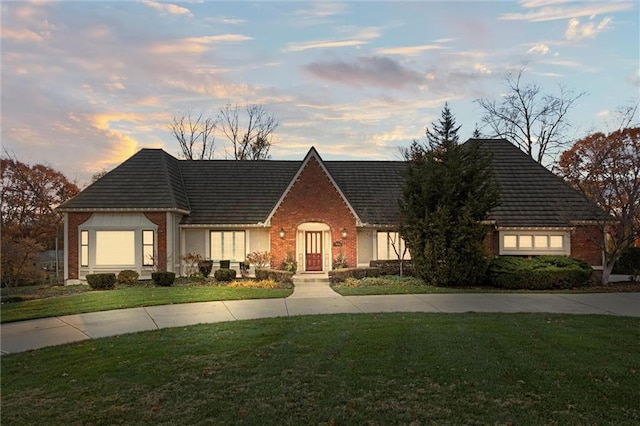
(153,209)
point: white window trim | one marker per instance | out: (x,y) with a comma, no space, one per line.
(565,250)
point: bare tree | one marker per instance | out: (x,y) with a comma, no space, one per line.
(534,121)
(253,141)
(195,135)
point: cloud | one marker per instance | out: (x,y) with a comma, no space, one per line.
(358,37)
(366,71)
(22,35)
(321,10)
(575,31)
(196,44)
(408,50)
(539,48)
(167,8)
(298,47)
(548,11)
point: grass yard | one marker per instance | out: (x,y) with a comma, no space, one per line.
(81,300)
(339,369)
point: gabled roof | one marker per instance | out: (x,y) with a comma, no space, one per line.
(313,154)
(532,196)
(229,192)
(149,180)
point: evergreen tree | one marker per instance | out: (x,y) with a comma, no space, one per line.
(448,192)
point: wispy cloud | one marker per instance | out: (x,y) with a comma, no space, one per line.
(167,8)
(576,31)
(197,44)
(321,10)
(357,38)
(22,35)
(408,50)
(554,10)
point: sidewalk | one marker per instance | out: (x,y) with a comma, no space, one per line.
(311,297)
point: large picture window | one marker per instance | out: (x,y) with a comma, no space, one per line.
(532,243)
(228,245)
(388,244)
(115,248)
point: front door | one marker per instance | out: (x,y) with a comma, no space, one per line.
(313,251)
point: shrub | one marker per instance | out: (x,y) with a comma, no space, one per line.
(289,264)
(392,267)
(629,262)
(538,273)
(285,277)
(101,281)
(225,274)
(259,258)
(340,262)
(191,262)
(128,277)
(339,275)
(205,266)
(164,279)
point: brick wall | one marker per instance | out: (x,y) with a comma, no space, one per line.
(313,198)
(160,219)
(584,245)
(75,220)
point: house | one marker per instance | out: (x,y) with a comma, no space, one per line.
(154,209)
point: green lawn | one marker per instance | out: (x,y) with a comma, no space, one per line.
(126,297)
(341,369)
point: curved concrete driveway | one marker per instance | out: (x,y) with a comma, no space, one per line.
(309,298)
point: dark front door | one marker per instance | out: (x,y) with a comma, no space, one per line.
(313,251)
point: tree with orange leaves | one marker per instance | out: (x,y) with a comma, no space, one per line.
(29,221)
(606,169)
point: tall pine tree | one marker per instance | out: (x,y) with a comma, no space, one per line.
(448,191)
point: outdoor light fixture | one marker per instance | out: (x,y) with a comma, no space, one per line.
(281,233)
(344,233)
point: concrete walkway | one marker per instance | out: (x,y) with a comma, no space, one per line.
(312,295)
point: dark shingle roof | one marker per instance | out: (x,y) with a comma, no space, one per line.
(246,192)
(234,192)
(532,196)
(148,180)
(373,188)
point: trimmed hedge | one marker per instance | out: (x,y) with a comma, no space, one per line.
(128,277)
(164,279)
(392,267)
(539,272)
(225,274)
(340,275)
(277,275)
(101,281)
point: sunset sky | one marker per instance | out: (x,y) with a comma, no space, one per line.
(86,84)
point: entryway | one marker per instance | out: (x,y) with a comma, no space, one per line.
(313,251)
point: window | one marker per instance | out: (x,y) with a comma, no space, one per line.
(388,244)
(84,248)
(115,248)
(228,245)
(534,242)
(147,248)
